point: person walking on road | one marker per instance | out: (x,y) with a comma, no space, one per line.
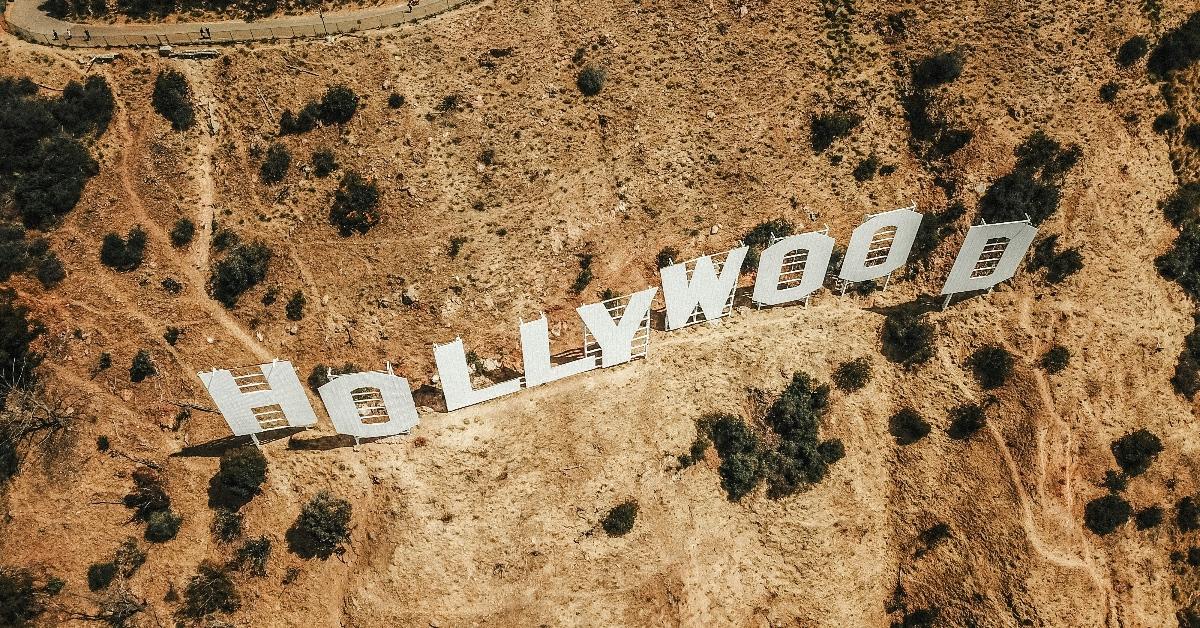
(54,34)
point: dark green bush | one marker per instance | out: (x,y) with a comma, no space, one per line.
(1186,379)
(324,163)
(240,476)
(829,127)
(227,525)
(1176,49)
(1104,515)
(142,366)
(171,285)
(1183,205)
(1108,91)
(455,247)
(162,526)
(991,365)
(1181,263)
(102,443)
(965,420)
(17,331)
(759,238)
(619,520)
(182,233)
(908,426)
(584,278)
(591,80)
(739,450)
(866,169)
(666,257)
(275,165)
(907,337)
(1136,450)
(171,335)
(696,451)
(395,101)
(1148,517)
(322,527)
(355,205)
(799,460)
(1033,188)
(124,254)
(338,105)
(853,375)
(252,556)
(172,99)
(50,271)
(242,269)
(319,376)
(1187,514)
(209,591)
(937,69)
(100,575)
(1115,481)
(20,603)
(1165,122)
(1056,359)
(1132,50)
(295,306)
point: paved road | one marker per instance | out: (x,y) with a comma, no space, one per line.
(25,20)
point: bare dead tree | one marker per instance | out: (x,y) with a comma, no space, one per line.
(34,416)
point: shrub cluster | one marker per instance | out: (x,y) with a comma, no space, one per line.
(252,556)
(853,375)
(45,164)
(1033,188)
(151,504)
(1187,514)
(20,600)
(619,520)
(933,136)
(319,376)
(276,163)
(935,228)
(295,306)
(585,276)
(355,206)
(240,270)
(756,239)
(991,365)
(172,99)
(322,527)
(337,106)
(124,254)
(669,254)
(1148,517)
(18,255)
(1136,450)
(829,127)
(1104,515)
(324,163)
(239,478)
(182,233)
(907,337)
(907,426)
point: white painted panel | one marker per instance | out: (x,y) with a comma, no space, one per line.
(860,252)
(238,405)
(975,252)
(706,289)
(616,338)
(535,352)
(394,400)
(455,377)
(767,289)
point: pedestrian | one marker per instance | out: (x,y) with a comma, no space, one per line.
(68,34)
(87,36)
(55,35)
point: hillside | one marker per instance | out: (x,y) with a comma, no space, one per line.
(504,192)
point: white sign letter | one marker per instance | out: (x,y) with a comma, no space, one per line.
(456,378)
(535,353)
(705,288)
(806,254)
(370,404)
(880,245)
(616,339)
(990,254)
(257,402)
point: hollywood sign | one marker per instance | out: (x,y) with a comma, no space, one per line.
(375,404)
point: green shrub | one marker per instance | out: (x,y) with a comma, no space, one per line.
(243,268)
(738,447)
(866,169)
(17,331)
(102,443)
(584,278)
(172,99)
(1183,205)
(1136,450)
(142,367)
(171,335)
(302,122)
(19,599)
(148,496)
(937,69)
(1149,517)
(991,365)
(799,459)
(1176,49)
(338,105)
(619,520)
(171,285)
(1115,481)
(162,526)
(182,233)
(124,254)
(275,165)
(1104,515)
(1186,379)
(1132,51)
(455,246)
(100,575)
(50,271)
(323,163)
(295,306)
(227,525)
(1187,515)
(209,591)
(829,127)
(1033,188)
(1191,135)
(591,80)
(240,476)
(1108,91)
(759,238)
(322,527)
(965,421)
(908,426)
(853,375)
(355,205)
(920,618)
(1181,263)
(252,556)
(395,101)
(907,337)
(1056,359)
(1165,122)
(319,376)
(696,451)
(666,257)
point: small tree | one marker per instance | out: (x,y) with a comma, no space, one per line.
(227,525)
(324,163)
(295,306)
(173,100)
(240,477)
(275,165)
(20,601)
(395,101)
(619,520)
(322,527)
(1132,50)
(907,337)
(853,375)
(50,271)
(100,575)
(124,254)
(242,269)
(182,233)
(992,365)
(1104,515)
(253,555)
(338,105)
(1055,359)
(1149,517)
(355,205)
(937,69)
(142,366)
(209,591)
(172,335)
(908,426)
(162,526)
(1136,450)
(965,420)
(591,80)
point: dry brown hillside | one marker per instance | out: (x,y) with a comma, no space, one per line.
(491,515)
